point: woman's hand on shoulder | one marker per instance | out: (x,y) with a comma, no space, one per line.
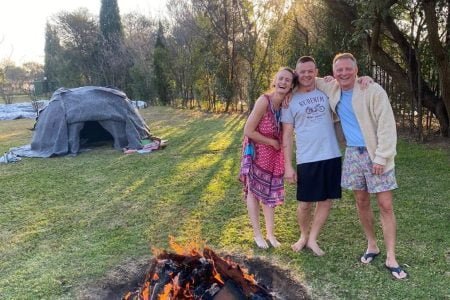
(365,81)
(287,99)
(328,78)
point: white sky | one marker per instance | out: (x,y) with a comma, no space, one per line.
(22,22)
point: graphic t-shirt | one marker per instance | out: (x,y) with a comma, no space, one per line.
(315,137)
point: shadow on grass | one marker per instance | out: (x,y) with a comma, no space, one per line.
(72,219)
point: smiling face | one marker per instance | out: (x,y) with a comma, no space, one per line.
(344,71)
(306,72)
(283,81)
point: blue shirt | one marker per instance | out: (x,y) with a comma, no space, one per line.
(350,125)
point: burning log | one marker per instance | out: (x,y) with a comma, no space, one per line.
(197,276)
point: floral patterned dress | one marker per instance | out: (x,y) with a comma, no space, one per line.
(262,168)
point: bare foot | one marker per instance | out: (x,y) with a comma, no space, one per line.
(273,241)
(315,248)
(299,245)
(261,243)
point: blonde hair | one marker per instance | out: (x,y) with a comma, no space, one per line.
(345,55)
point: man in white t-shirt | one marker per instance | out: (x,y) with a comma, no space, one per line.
(318,157)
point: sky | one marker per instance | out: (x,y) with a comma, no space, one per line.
(22,23)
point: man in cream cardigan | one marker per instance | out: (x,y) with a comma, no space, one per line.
(370,131)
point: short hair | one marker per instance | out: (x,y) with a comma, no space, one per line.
(305,59)
(345,55)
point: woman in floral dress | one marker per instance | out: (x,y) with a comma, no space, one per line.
(262,164)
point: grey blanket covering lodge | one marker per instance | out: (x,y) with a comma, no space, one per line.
(59,125)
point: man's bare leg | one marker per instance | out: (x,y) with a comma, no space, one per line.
(389,225)
(366,218)
(320,217)
(304,220)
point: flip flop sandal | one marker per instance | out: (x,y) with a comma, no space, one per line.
(397,270)
(369,257)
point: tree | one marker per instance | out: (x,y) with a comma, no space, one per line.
(33,71)
(380,25)
(53,52)
(76,62)
(114,58)
(110,23)
(189,55)
(16,80)
(6,87)
(2,79)
(160,65)
(261,24)
(223,19)
(438,12)
(140,37)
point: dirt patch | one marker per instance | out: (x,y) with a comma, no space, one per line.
(131,274)
(279,280)
(117,282)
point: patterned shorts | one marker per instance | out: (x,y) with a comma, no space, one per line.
(357,173)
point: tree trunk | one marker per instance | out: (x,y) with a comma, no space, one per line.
(441,54)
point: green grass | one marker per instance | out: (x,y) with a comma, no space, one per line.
(65,222)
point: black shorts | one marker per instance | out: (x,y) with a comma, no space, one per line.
(319,180)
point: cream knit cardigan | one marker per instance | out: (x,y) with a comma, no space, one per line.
(375,117)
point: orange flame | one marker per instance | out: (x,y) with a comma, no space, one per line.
(156,252)
(218,278)
(176,247)
(250,277)
(192,248)
(225,268)
(166,294)
(146,293)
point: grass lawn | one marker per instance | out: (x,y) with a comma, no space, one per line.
(65,222)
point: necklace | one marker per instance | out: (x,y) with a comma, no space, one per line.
(277,115)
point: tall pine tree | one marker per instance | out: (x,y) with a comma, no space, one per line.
(114,59)
(110,22)
(52,53)
(160,67)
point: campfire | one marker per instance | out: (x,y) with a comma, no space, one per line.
(195,274)
(188,273)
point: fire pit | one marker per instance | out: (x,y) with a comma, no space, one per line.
(197,275)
